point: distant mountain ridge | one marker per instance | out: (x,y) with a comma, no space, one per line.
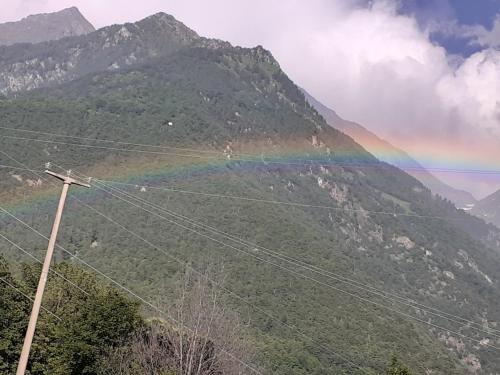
(488,208)
(44,27)
(392,155)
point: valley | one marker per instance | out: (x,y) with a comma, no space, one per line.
(199,152)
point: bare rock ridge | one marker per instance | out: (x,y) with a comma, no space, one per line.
(44,27)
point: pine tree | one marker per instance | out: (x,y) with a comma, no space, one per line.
(397,367)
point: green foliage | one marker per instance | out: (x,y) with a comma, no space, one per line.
(90,322)
(14,310)
(397,368)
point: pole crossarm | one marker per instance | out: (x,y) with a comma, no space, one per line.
(67,179)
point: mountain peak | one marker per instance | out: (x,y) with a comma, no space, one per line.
(163,17)
(492,198)
(169,23)
(72,11)
(44,27)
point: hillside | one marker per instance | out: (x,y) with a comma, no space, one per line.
(489,208)
(385,151)
(215,155)
(44,27)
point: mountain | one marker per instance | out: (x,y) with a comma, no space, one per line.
(385,151)
(489,208)
(201,153)
(44,27)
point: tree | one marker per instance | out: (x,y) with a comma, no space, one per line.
(205,338)
(94,317)
(397,367)
(14,310)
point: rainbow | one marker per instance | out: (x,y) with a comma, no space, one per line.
(154,170)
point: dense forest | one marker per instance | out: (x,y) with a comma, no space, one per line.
(89,327)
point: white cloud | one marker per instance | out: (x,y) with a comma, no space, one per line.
(483,36)
(473,90)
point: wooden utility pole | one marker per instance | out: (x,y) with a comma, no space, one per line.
(23,359)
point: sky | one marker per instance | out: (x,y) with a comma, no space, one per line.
(423,74)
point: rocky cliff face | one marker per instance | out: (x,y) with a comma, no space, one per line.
(44,27)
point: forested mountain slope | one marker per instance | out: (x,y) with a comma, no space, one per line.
(313,231)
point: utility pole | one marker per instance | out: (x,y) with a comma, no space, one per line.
(23,359)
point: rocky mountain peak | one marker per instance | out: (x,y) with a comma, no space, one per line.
(167,23)
(264,55)
(71,11)
(44,27)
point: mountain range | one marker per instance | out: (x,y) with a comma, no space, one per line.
(199,151)
(70,22)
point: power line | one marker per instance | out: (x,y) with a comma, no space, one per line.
(277,255)
(28,297)
(149,304)
(384,294)
(271,201)
(315,280)
(432,324)
(17,168)
(198,272)
(261,160)
(443,328)
(250,367)
(305,276)
(113,141)
(39,261)
(84,291)
(109,148)
(76,257)
(185,264)
(250,199)
(19,247)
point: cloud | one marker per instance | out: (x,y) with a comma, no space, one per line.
(482,36)
(381,69)
(473,90)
